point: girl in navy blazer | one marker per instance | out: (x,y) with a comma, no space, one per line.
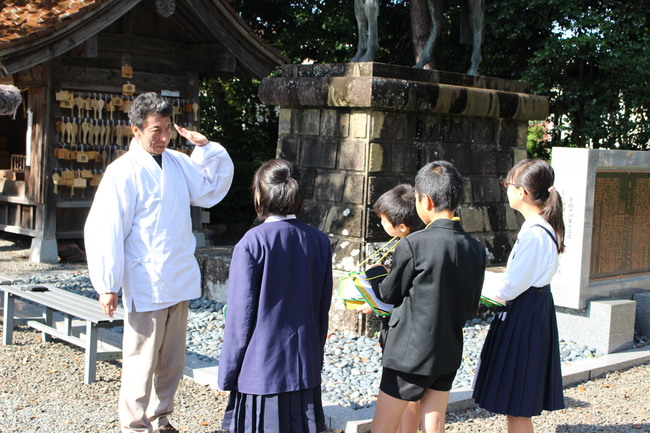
(279,294)
(519,374)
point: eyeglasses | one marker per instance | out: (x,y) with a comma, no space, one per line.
(506,184)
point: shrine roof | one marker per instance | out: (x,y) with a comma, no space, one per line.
(32,32)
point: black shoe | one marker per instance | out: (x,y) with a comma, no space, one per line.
(168,429)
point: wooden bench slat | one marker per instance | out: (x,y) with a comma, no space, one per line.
(70,305)
(67,302)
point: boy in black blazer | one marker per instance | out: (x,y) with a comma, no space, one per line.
(435,284)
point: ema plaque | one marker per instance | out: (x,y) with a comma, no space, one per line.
(621,224)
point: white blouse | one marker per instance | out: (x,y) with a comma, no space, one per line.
(532,262)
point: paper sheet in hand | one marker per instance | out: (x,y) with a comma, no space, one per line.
(355,289)
(491,282)
(490,302)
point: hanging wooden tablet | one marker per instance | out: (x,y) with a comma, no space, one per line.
(62,153)
(62,95)
(128,89)
(97,130)
(79,103)
(79,181)
(74,128)
(68,105)
(102,134)
(100,106)
(66,127)
(97,177)
(119,133)
(87,106)
(126,105)
(85,129)
(127,71)
(55,179)
(94,104)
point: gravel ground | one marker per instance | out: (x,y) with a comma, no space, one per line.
(42,390)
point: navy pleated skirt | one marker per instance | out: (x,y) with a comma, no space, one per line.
(519,372)
(287,412)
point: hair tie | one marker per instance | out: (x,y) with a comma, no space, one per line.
(551,188)
(287,179)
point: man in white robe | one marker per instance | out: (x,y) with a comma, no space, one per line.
(138,237)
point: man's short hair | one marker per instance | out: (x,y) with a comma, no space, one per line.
(442,183)
(147,104)
(398,206)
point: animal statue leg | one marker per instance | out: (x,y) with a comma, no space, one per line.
(435,10)
(476,21)
(372,13)
(362,29)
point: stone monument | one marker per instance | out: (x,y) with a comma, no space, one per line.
(358,129)
(606,265)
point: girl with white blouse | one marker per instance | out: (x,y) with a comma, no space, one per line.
(519,372)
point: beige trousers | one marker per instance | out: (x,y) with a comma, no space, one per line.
(153,357)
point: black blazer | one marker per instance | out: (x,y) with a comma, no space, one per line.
(435,284)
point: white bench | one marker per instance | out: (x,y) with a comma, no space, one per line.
(71,305)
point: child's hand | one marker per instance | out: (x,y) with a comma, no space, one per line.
(365,309)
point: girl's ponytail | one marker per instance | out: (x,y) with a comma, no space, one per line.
(536,176)
(552,213)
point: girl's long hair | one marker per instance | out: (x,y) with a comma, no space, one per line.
(536,176)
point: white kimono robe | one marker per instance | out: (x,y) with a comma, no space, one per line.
(138,234)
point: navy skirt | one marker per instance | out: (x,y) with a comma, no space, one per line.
(287,412)
(519,372)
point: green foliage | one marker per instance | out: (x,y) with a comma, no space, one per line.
(591,58)
(233,115)
(538,140)
(595,69)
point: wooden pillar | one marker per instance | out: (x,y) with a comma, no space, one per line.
(41,102)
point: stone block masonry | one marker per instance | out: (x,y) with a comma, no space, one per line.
(357,130)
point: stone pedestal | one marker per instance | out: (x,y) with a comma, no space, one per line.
(44,251)
(607,325)
(356,130)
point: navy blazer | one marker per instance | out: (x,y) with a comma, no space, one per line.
(279,295)
(435,284)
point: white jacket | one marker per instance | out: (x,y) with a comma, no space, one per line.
(138,235)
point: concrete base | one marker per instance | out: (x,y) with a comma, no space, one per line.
(44,251)
(607,325)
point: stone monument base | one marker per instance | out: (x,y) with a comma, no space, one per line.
(607,325)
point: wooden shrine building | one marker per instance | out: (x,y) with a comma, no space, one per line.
(79,64)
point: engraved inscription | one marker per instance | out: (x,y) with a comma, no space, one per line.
(621,225)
